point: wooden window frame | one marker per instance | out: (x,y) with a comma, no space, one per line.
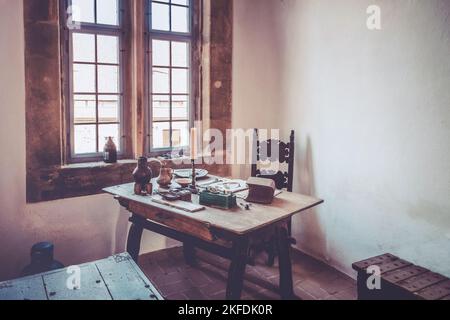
(122,32)
(192,38)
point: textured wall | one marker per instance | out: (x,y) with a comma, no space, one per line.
(256,67)
(83,229)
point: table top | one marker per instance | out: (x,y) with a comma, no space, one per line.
(237,220)
(114,278)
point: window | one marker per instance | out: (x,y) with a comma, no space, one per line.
(123,99)
(95,83)
(170,89)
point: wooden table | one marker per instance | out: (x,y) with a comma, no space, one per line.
(227,233)
(115,278)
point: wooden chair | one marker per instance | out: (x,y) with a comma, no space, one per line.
(283,179)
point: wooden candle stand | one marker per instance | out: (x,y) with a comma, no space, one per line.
(193,185)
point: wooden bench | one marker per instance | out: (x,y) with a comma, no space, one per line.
(115,278)
(401,280)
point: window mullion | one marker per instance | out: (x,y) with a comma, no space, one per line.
(95,11)
(97,134)
(170,96)
(170,16)
(170,80)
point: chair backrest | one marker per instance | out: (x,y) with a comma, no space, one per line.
(263,152)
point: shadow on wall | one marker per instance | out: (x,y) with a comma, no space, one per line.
(82,230)
(306,227)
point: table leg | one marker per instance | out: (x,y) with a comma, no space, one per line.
(237,269)
(189,254)
(134,237)
(285,264)
(271,251)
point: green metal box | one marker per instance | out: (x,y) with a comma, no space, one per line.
(220,200)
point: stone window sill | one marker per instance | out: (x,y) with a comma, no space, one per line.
(99,164)
(76,180)
(83,179)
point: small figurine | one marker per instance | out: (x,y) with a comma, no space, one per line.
(142,178)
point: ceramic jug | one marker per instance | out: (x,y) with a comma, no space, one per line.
(165,176)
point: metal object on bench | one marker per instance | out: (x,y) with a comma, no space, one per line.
(41,259)
(115,278)
(401,280)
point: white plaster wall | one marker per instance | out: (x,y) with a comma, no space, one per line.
(256,63)
(256,67)
(82,229)
(371,111)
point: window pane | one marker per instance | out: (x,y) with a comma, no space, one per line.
(83,11)
(161,53)
(83,47)
(182,2)
(160,17)
(161,108)
(180,81)
(108,49)
(108,79)
(108,108)
(180,108)
(83,78)
(170,86)
(161,135)
(84,109)
(161,80)
(180,19)
(180,134)
(180,54)
(107,12)
(105,131)
(84,139)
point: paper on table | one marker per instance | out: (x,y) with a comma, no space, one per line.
(227,185)
(178,204)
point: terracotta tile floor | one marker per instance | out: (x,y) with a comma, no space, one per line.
(313,280)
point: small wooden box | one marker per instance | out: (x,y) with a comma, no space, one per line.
(261,190)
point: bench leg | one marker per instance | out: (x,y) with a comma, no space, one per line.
(285,264)
(237,269)
(134,238)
